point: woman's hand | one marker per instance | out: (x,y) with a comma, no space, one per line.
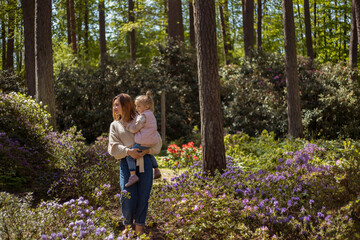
(134,153)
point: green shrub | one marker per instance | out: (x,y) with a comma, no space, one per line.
(85,169)
(10,81)
(254,98)
(84,95)
(24,158)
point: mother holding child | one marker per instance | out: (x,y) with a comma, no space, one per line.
(134,139)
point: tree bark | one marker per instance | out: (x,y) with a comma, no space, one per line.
(192,29)
(309,45)
(353,43)
(102,32)
(3,40)
(175,21)
(132,32)
(248,6)
(224,20)
(212,138)
(10,41)
(357,14)
(292,85)
(86,28)
(68,22)
(44,76)
(72,26)
(28,9)
(259,26)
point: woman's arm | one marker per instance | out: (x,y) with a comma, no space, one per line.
(115,147)
(157,148)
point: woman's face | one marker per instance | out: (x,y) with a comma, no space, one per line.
(117,107)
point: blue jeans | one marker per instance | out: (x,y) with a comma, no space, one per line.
(132,162)
(136,207)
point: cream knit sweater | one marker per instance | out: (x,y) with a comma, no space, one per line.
(121,140)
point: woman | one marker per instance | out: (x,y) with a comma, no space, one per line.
(134,210)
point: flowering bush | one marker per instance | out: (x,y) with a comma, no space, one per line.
(73,219)
(181,157)
(25,161)
(90,169)
(299,200)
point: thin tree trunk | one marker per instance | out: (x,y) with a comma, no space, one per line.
(292,85)
(192,30)
(353,43)
(223,9)
(353,39)
(102,32)
(28,9)
(10,42)
(132,32)
(175,21)
(3,40)
(259,25)
(86,30)
(72,26)
(212,138)
(309,46)
(315,27)
(248,13)
(44,76)
(68,22)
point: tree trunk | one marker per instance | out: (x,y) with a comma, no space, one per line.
(259,25)
(86,28)
(309,45)
(175,21)
(292,85)
(357,14)
(315,27)
(10,42)
(353,43)
(132,32)
(102,32)
(224,19)
(28,9)
(3,40)
(212,137)
(192,30)
(248,6)
(72,26)
(44,76)
(68,22)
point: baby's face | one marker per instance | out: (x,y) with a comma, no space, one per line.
(140,107)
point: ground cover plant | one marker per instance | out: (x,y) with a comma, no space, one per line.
(305,197)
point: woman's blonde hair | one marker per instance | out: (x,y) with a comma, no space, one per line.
(146,100)
(127,107)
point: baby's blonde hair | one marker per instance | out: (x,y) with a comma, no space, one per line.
(146,100)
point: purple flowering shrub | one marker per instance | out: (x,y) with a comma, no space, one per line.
(25,161)
(87,168)
(301,199)
(73,219)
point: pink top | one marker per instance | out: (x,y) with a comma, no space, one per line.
(145,128)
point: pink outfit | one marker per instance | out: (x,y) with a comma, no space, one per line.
(145,129)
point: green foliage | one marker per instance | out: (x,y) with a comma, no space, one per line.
(85,170)
(183,157)
(74,219)
(84,95)
(254,97)
(303,199)
(10,81)
(25,159)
